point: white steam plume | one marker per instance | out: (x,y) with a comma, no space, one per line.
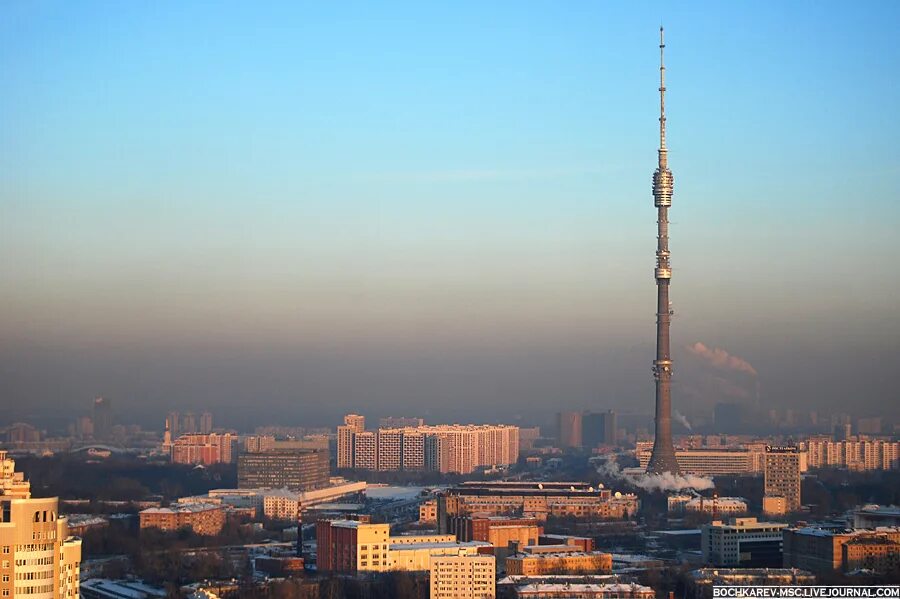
(681,418)
(721,359)
(655,482)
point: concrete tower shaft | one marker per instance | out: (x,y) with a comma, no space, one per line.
(662,459)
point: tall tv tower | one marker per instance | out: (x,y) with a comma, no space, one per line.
(663,457)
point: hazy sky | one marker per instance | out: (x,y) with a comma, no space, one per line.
(289,211)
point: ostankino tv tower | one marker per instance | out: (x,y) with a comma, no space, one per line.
(663,457)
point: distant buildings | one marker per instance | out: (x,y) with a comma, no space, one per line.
(39,556)
(295,469)
(822,550)
(874,516)
(462,576)
(568,429)
(205,449)
(782,475)
(400,422)
(202,518)
(716,506)
(532,499)
(701,582)
(742,542)
(860,454)
(102,419)
(446,448)
(569,590)
(598,428)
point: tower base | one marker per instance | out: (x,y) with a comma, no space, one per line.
(663,461)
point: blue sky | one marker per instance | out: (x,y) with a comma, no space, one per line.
(440,179)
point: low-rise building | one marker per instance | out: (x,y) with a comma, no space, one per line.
(716,506)
(742,542)
(585,591)
(701,582)
(820,549)
(428,512)
(202,518)
(534,561)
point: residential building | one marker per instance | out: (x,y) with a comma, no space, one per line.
(353,423)
(462,576)
(535,561)
(717,506)
(365,450)
(206,423)
(782,475)
(774,505)
(598,428)
(853,454)
(208,449)
(499,531)
(103,418)
(742,542)
(39,556)
(202,518)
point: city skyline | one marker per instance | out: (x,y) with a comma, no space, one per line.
(279,219)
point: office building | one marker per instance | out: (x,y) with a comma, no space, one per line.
(569,429)
(782,475)
(742,542)
(196,448)
(202,518)
(294,469)
(710,461)
(39,556)
(462,576)
(533,500)
(103,418)
(824,549)
(598,428)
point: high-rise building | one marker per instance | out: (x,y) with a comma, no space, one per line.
(782,475)
(39,557)
(445,448)
(462,576)
(662,458)
(206,423)
(569,429)
(294,469)
(173,424)
(353,423)
(189,423)
(103,419)
(598,428)
(365,450)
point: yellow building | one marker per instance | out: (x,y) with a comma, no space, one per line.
(38,558)
(535,564)
(463,576)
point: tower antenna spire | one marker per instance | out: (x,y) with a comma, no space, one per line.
(663,162)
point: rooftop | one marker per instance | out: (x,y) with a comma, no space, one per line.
(184,508)
(438,545)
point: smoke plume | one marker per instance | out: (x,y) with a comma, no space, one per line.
(682,419)
(721,359)
(655,482)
